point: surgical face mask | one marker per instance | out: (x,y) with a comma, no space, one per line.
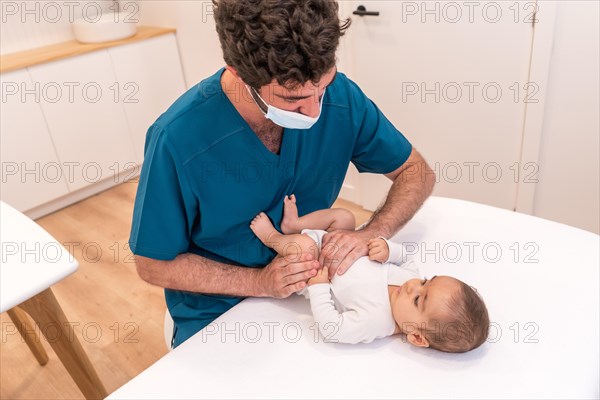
(284,118)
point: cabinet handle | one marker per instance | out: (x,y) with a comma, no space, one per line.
(362,11)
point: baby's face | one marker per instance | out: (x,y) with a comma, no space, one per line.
(417,300)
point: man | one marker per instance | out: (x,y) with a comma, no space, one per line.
(279,119)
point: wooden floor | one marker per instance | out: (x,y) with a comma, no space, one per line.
(118,318)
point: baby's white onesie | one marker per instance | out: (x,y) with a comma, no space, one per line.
(355,306)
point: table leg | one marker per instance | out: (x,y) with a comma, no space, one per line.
(46,312)
(20,319)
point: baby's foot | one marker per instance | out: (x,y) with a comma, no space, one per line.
(262,227)
(290,222)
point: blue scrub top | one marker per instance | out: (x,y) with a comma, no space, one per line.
(206,174)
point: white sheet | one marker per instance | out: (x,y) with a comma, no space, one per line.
(544,341)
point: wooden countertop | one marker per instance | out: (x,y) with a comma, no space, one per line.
(40,55)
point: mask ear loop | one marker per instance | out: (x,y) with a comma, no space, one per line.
(254,94)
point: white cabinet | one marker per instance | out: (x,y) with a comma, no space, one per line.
(31,171)
(80,126)
(85,118)
(151,79)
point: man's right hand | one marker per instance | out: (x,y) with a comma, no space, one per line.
(284,276)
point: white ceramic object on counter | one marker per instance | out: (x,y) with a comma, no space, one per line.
(106,28)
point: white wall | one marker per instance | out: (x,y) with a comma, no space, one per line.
(26,25)
(568,187)
(199,47)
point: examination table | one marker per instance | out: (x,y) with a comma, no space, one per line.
(538,278)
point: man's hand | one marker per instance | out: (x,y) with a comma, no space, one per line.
(282,276)
(341,248)
(378,250)
(321,277)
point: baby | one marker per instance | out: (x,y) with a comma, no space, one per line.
(380,295)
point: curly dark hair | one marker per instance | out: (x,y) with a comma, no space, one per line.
(291,41)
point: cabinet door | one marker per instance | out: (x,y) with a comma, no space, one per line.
(79,98)
(31,172)
(453,78)
(150,79)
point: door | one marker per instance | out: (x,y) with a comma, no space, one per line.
(453,78)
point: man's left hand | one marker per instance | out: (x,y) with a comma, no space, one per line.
(341,248)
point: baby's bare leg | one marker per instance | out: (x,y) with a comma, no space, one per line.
(292,245)
(327,220)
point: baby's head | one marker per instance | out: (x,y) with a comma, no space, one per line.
(443,313)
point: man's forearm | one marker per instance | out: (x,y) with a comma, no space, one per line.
(193,273)
(408,192)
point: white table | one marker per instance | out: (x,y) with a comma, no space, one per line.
(544,337)
(31,262)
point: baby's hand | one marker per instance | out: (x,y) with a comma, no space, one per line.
(322,276)
(378,250)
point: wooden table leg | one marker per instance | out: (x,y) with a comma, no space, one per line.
(28,333)
(46,312)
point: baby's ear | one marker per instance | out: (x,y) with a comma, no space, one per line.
(417,339)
